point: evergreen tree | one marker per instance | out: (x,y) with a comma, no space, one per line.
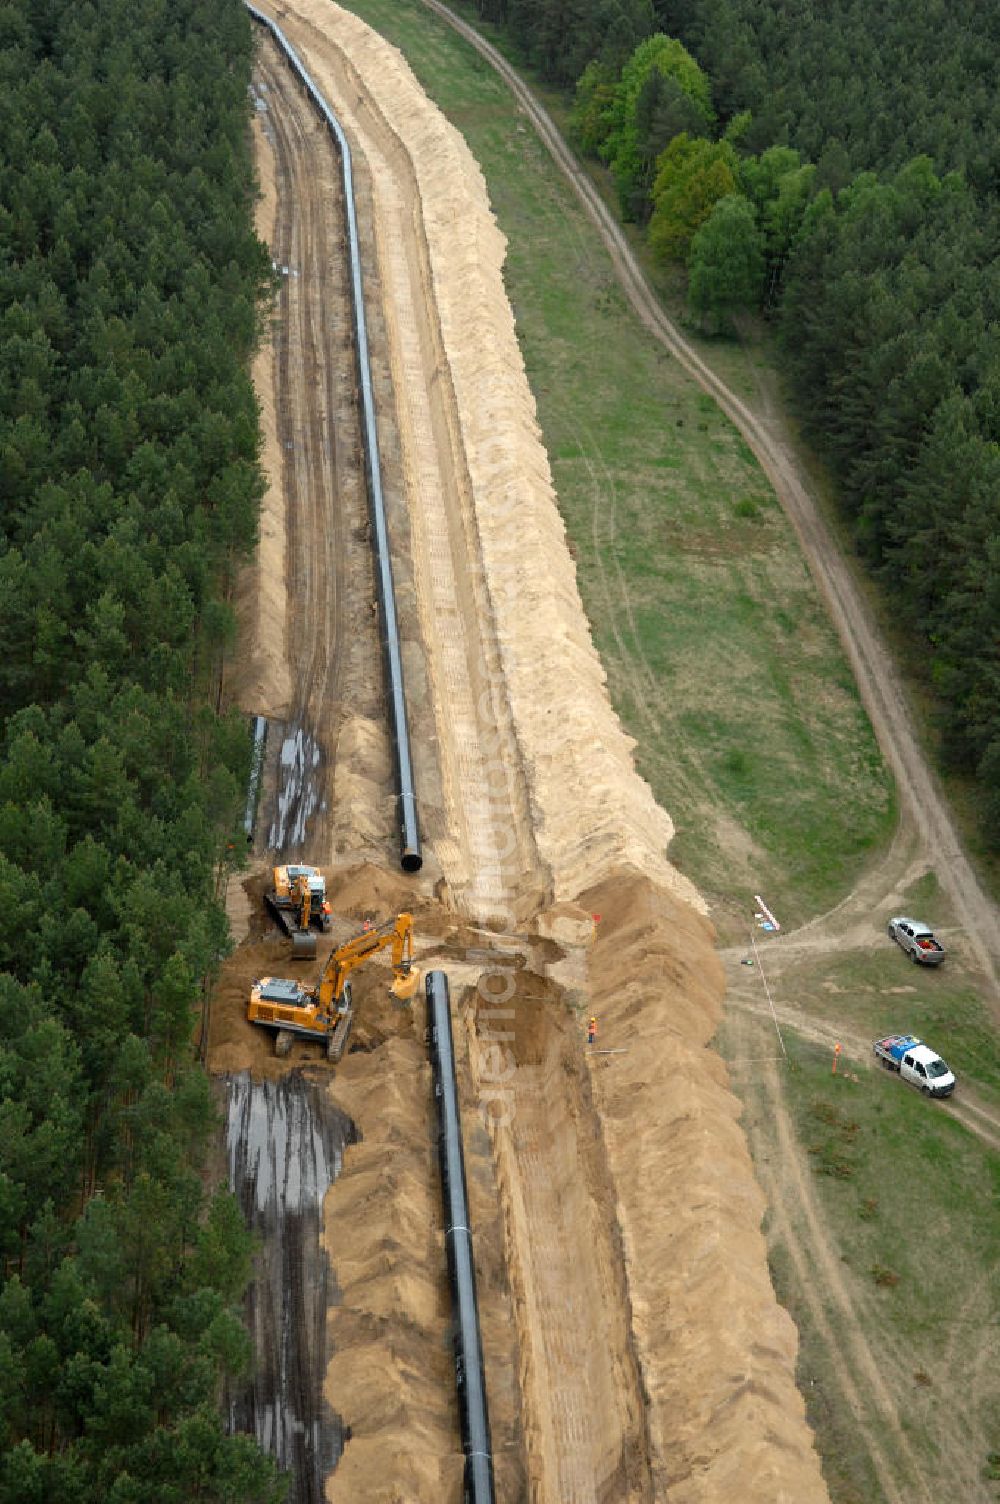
(726,266)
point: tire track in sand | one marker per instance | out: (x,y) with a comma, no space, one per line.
(332,642)
(819,1277)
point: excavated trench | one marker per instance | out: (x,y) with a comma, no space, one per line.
(631,1338)
(311,671)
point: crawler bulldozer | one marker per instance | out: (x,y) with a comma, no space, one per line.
(325,1012)
(296,903)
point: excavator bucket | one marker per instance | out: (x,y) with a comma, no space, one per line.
(405,984)
(303,945)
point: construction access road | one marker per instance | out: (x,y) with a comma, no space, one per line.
(634,1346)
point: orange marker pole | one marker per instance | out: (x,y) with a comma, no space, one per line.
(836,1057)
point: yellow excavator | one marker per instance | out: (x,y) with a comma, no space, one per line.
(324,1012)
(297,901)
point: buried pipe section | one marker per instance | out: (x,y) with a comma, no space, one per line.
(411,856)
(470,1379)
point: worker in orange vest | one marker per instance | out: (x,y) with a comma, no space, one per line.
(592,1031)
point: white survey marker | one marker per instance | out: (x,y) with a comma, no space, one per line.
(765,919)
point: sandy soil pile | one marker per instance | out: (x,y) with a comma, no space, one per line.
(382,1234)
(717,1352)
(392,1374)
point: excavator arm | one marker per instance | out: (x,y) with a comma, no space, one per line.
(303,895)
(397,933)
(324,1012)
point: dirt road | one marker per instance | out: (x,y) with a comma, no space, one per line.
(328,778)
(920,796)
(900,1416)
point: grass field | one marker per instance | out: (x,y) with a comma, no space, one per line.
(870,988)
(720,659)
(895,1179)
(878,993)
(723,666)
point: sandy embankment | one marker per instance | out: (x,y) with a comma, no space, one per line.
(726,1421)
(656,1161)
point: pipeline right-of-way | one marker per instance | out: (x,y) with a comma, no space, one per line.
(470,1378)
(411,856)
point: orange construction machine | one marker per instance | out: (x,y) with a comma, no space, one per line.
(297,901)
(324,1012)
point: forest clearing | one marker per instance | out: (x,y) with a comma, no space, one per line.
(541,1419)
(576,832)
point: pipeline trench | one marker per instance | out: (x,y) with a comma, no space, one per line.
(327,794)
(327,631)
(527,799)
(302,812)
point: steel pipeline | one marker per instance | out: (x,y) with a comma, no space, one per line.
(470,1378)
(411,856)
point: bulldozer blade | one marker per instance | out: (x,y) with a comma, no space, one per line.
(405,985)
(303,945)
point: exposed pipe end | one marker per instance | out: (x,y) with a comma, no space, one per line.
(411,859)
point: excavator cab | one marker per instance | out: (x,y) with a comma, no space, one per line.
(296,903)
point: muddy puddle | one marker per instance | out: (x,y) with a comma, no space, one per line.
(285,1144)
(298,775)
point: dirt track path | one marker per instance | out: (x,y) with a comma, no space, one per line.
(331,633)
(976,1116)
(878,682)
(833,1307)
(877,1396)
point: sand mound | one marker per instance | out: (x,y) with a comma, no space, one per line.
(260,679)
(726,1423)
(369,892)
(392,1374)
